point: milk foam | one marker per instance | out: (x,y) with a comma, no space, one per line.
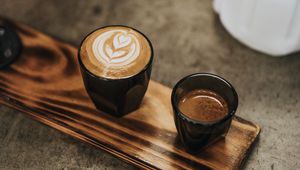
(115,52)
(116,48)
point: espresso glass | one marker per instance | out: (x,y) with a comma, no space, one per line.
(121,96)
(195,134)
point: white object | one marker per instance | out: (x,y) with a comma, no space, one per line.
(269,26)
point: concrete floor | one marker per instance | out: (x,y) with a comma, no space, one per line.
(188,38)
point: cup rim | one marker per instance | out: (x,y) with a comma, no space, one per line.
(123,78)
(204,123)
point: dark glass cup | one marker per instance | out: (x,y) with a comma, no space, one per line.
(10,43)
(117,97)
(195,134)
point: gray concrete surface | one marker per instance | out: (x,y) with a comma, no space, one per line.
(187,37)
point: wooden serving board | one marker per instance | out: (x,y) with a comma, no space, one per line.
(46,84)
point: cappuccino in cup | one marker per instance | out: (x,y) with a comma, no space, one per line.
(115,52)
(116,63)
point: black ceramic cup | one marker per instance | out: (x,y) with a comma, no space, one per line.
(195,134)
(117,97)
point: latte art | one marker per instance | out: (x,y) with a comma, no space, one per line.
(123,50)
(115,52)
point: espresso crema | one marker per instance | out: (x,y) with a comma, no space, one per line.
(115,52)
(203,105)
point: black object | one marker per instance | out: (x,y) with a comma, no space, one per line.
(10,44)
(117,97)
(194,134)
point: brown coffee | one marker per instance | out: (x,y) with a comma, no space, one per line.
(203,105)
(115,52)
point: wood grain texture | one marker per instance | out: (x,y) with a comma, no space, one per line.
(45,83)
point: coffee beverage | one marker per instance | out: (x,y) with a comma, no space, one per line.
(115,64)
(115,52)
(203,105)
